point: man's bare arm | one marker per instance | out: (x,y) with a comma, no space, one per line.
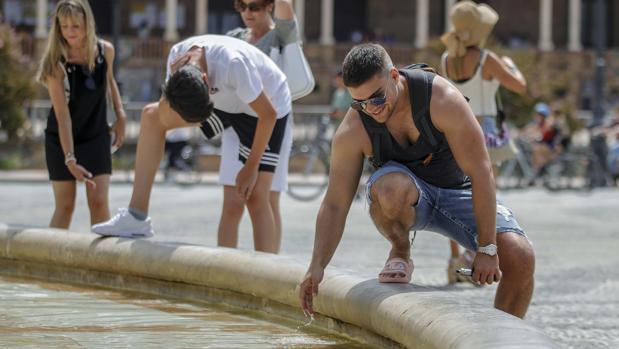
(346,168)
(452,115)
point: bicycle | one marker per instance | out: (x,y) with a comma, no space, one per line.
(572,169)
(188,169)
(516,173)
(575,169)
(309,163)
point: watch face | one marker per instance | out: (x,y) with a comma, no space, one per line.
(489,249)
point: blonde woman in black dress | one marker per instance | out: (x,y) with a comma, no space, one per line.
(77,71)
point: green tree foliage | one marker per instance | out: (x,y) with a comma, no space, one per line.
(16,86)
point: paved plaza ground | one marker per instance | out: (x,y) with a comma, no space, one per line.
(576,237)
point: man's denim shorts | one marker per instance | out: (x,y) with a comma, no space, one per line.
(448,212)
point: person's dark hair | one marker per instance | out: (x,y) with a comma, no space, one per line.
(188,94)
(363,62)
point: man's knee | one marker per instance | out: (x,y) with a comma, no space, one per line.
(150,116)
(394,193)
(516,255)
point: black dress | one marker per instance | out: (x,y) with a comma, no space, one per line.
(91,133)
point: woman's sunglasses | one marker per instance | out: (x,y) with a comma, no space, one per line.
(240,6)
(363,105)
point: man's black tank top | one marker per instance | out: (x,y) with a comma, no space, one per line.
(429,158)
(86,98)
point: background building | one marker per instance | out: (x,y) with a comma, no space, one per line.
(551,39)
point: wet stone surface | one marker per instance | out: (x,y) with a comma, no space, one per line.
(39,314)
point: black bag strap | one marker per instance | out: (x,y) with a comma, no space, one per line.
(101,49)
(420,94)
(379,136)
(500,114)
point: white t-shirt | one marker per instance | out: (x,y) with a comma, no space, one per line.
(237,72)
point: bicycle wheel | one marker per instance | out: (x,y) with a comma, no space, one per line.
(554,178)
(508,176)
(565,173)
(595,176)
(308,172)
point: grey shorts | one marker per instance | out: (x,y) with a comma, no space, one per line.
(448,212)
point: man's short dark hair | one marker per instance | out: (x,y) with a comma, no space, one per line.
(188,94)
(363,62)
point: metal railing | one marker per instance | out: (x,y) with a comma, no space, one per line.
(38,111)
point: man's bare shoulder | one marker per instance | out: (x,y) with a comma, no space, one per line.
(447,103)
(443,90)
(351,133)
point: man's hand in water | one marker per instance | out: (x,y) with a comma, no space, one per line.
(308,289)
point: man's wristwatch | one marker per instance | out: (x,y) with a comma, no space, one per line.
(489,249)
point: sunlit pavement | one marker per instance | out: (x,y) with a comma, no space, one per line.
(576,238)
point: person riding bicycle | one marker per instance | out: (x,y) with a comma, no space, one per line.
(549,135)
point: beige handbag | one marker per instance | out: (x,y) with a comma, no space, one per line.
(293,63)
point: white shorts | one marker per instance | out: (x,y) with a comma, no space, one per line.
(231,165)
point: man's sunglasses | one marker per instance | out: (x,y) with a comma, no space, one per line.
(240,6)
(376,101)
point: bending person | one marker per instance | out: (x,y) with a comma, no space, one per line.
(268,25)
(248,92)
(433,174)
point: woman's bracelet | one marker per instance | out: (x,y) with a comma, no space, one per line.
(69,157)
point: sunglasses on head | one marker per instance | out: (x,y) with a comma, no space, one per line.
(375,101)
(89,83)
(240,6)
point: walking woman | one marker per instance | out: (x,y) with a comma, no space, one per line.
(478,73)
(77,70)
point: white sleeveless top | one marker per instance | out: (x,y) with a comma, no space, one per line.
(480,92)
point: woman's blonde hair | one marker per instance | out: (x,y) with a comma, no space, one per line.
(58,47)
